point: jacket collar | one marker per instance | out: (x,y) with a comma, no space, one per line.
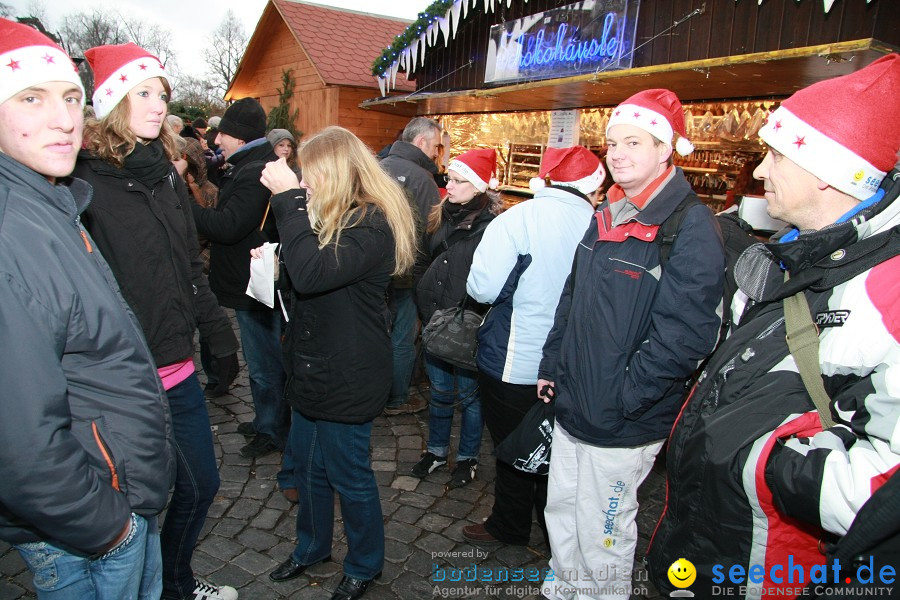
(251,151)
(670,189)
(69,195)
(412,153)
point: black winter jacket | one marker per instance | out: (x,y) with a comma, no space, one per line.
(415,173)
(85,431)
(337,347)
(445,260)
(233,226)
(150,242)
(628,333)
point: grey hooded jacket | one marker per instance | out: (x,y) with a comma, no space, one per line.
(85,430)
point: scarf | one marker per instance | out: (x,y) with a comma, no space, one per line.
(148,163)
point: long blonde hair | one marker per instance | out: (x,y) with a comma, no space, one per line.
(346,181)
(111,137)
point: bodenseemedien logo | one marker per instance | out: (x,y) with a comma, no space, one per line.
(682,574)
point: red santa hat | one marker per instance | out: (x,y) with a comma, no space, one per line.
(575,167)
(117,69)
(28,57)
(846,130)
(659,113)
(478,166)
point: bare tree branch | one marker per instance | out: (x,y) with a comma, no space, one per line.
(224,51)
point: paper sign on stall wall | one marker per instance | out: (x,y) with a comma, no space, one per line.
(564,125)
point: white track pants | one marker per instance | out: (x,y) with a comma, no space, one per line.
(591,510)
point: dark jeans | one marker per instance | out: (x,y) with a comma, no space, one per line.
(333,457)
(403,343)
(516,494)
(196,484)
(451,385)
(261,344)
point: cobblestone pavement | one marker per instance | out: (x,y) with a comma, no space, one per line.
(250,526)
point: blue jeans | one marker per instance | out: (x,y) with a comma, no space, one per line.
(403,343)
(196,484)
(449,385)
(285,477)
(261,344)
(334,457)
(132,571)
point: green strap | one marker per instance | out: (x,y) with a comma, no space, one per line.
(803,341)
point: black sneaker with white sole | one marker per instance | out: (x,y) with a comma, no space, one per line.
(463,473)
(427,464)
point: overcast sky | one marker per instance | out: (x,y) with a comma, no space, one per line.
(192,22)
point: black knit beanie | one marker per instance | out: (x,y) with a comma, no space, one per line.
(244,120)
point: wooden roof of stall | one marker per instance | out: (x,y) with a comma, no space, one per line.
(340,43)
(758,75)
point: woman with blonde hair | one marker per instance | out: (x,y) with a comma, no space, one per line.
(141,221)
(346,228)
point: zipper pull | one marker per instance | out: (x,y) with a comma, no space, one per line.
(87,242)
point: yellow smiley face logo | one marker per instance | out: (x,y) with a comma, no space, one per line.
(682,573)
(859,175)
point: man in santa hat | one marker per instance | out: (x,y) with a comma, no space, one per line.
(517,269)
(86,455)
(789,436)
(636,316)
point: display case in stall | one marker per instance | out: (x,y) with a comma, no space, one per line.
(724,136)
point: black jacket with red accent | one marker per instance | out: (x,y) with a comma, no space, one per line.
(752,478)
(627,333)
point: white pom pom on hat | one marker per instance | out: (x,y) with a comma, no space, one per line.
(683,146)
(536,184)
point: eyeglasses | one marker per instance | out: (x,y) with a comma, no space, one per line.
(456,181)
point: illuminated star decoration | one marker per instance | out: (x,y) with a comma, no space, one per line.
(109,92)
(637,115)
(777,125)
(653,122)
(123,78)
(143,67)
(801,141)
(13,64)
(47,57)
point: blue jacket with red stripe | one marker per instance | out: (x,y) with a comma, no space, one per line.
(627,333)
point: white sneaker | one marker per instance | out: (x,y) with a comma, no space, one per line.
(204,590)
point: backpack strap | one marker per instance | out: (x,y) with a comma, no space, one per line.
(668,230)
(803,341)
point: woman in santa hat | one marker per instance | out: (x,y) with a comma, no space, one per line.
(455,227)
(141,222)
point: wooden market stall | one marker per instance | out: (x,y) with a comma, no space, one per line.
(329,51)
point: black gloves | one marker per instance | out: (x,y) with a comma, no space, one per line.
(226,370)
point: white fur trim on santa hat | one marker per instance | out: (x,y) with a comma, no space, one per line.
(649,120)
(29,65)
(822,156)
(586,185)
(110,92)
(467,172)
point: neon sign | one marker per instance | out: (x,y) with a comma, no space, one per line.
(579,38)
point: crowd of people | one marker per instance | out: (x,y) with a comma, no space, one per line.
(126,233)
